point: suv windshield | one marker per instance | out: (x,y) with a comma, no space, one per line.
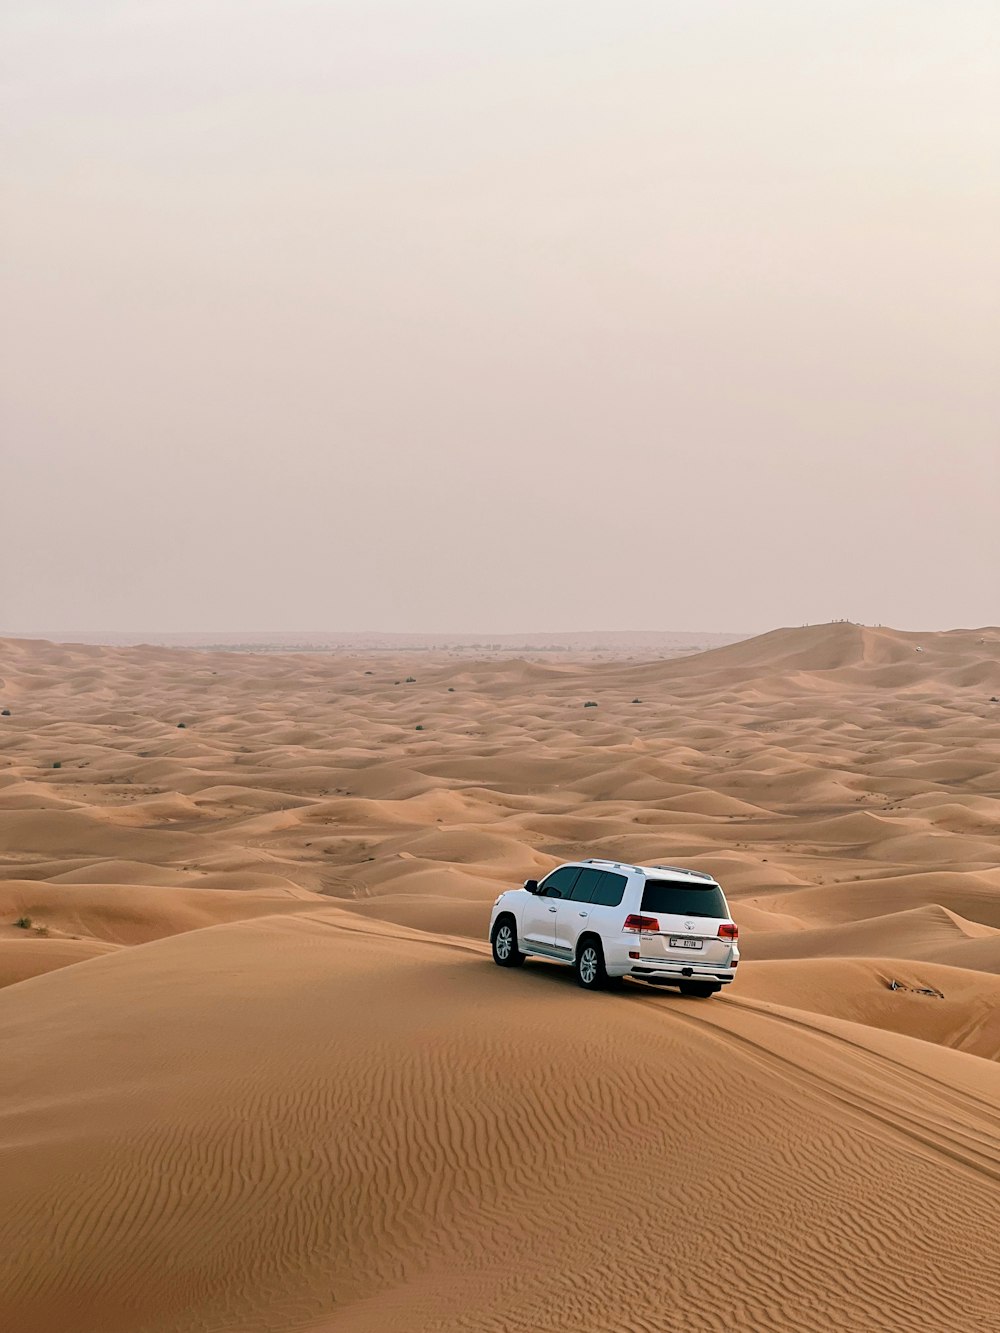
(683,899)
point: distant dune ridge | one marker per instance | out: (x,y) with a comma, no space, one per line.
(260,1073)
(654,642)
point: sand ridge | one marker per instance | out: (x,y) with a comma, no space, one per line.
(263,1075)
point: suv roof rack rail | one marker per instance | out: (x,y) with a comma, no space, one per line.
(605,861)
(699,874)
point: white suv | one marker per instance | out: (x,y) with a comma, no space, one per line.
(660,924)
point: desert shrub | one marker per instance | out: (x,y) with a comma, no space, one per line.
(419,727)
(23,922)
(5,712)
(57,764)
(451,689)
(411,680)
(637,701)
(591,703)
(182,724)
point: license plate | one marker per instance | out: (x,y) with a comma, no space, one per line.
(684,942)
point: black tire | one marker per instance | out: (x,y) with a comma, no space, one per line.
(589,965)
(700,990)
(504,942)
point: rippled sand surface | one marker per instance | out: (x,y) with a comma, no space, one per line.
(261,1074)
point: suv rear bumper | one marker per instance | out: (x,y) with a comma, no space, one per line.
(650,971)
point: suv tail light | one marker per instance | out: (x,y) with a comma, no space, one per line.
(727,931)
(637,924)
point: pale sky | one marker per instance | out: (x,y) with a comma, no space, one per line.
(460,315)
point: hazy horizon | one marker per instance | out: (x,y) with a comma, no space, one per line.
(572,638)
(497,314)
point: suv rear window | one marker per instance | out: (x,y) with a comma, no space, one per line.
(682,899)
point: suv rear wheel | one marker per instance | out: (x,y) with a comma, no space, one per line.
(504,941)
(590,970)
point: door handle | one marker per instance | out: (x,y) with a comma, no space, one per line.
(552,909)
(585,914)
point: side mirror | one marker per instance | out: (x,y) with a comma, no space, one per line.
(531,885)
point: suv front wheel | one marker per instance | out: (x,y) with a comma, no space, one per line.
(504,941)
(590,970)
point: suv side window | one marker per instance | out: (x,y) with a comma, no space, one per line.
(586,885)
(610,890)
(560,883)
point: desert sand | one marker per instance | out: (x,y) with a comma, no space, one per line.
(260,1074)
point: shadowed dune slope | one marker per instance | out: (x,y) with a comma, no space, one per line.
(296,1125)
(132,913)
(20,959)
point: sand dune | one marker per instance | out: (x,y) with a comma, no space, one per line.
(920,932)
(395,1125)
(261,1074)
(954,1006)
